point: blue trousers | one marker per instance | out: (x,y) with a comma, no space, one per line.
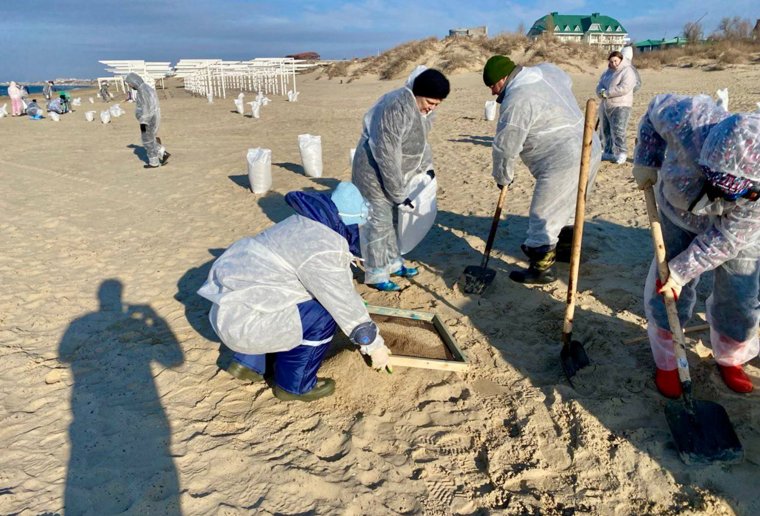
(295,370)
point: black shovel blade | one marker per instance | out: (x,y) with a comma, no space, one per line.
(573,358)
(476,279)
(703,434)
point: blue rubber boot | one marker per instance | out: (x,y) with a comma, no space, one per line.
(385,286)
(406,272)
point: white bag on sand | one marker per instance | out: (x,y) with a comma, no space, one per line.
(210,98)
(105,116)
(76,102)
(722,98)
(490,110)
(92,100)
(239,106)
(259,169)
(55,117)
(4,110)
(116,111)
(414,224)
(311,154)
(89,115)
(255,109)
(351,157)
(241,95)
(292,96)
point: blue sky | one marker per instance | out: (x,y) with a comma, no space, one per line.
(66,38)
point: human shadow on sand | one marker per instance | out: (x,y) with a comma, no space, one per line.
(523,324)
(139,151)
(485,141)
(120,437)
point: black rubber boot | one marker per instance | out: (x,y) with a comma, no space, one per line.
(324,387)
(540,270)
(564,244)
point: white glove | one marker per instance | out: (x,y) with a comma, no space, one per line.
(674,284)
(381,358)
(645,176)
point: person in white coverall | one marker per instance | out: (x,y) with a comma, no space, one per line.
(148,113)
(392,149)
(540,122)
(286,290)
(705,165)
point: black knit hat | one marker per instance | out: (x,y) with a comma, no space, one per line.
(431,84)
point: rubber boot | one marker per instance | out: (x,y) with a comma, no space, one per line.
(735,378)
(244,373)
(564,244)
(540,270)
(668,383)
(406,272)
(324,387)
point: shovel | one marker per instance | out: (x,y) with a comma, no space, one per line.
(573,356)
(478,278)
(701,429)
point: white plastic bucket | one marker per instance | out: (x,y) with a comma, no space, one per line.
(490,113)
(414,224)
(311,154)
(259,169)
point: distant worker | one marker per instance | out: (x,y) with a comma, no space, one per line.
(16,94)
(392,149)
(539,121)
(616,88)
(48,90)
(104,93)
(286,290)
(705,166)
(148,113)
(33,110)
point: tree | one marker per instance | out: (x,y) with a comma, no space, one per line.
(693,33)
(734,29)
(521,28)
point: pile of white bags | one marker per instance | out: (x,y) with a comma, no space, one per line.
(351,157)
(89,115)
(490,110)
(105,116)
(55,117)
(259,169)
(116,110)
(414,224)
(311,154)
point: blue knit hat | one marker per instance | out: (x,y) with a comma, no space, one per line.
(352,208)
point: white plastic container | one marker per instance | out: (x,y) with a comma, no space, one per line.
(92,100)
(259,169)
(311,154)
(490,113)
(4,110)
(255,109)
(414,224)
(210,97)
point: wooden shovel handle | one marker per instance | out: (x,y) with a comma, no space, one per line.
(679,341)
(494,225)
(580,210)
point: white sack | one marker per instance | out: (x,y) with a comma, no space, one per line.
(259,169)
(89,115)
(414,224)
(490,110)
(311,154)
(105,116)
(76,102)
(239,106)
(55,117)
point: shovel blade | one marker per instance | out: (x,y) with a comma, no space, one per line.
(573,358)
(476,279)
(703,433)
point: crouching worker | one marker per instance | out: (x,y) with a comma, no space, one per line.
(708,165)
(286,290)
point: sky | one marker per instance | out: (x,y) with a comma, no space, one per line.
(48,39)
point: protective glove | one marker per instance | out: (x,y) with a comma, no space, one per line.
(645,176)
(143,128)
(408,202)
(381,357)
(672,284)
(431,173)
(602,93)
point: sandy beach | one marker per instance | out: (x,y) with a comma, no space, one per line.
(112,396)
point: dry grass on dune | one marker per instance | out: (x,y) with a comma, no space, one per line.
(712,56)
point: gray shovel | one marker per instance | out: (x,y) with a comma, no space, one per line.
(701,429)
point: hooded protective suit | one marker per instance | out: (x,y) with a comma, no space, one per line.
(539,121)
(684,137)
(15,93)
(148,113)
(47,90)
(391,150)
(286,288)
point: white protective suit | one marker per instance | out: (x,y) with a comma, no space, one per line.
(148,113)
(391,150)
(257,283)
(539,121)
(683,136)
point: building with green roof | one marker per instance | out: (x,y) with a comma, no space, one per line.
(594,29)
(660,44)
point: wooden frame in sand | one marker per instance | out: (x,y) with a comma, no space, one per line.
(455,358)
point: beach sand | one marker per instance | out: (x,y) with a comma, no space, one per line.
(112,399)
